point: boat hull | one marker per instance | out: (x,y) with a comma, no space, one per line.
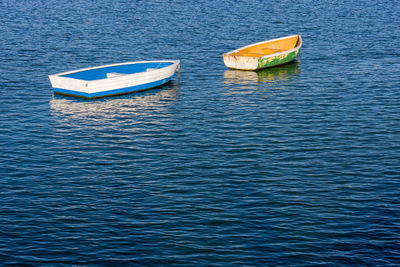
(235,60)
(277,60)
(101,81)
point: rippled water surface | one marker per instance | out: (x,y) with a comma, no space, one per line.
(296,165)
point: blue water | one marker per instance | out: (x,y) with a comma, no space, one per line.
(293,166)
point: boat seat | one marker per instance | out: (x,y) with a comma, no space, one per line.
(252,54)
(255,53)
(114,74)
(275,49)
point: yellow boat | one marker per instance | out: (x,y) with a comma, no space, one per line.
(264,54)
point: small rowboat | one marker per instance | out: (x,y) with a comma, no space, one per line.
(115,79)
(264,54)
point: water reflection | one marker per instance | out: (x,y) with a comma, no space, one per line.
(112,110)
(271,75)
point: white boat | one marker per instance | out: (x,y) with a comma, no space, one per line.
(115,79)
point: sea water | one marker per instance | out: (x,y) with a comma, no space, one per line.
(295,165)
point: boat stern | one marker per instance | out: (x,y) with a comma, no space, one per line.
(65,85)
(240,62)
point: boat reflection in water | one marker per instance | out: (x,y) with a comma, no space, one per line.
(270,75)
(109,112)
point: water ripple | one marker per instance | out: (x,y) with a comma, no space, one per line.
(295,165)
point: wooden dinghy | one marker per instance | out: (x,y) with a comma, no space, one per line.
(264,54)
(115,79)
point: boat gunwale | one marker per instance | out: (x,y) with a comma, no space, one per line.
(61,74)
(267,41)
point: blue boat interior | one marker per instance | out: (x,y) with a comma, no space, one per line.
(101,73)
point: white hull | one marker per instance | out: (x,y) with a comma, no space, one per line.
(114,83)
